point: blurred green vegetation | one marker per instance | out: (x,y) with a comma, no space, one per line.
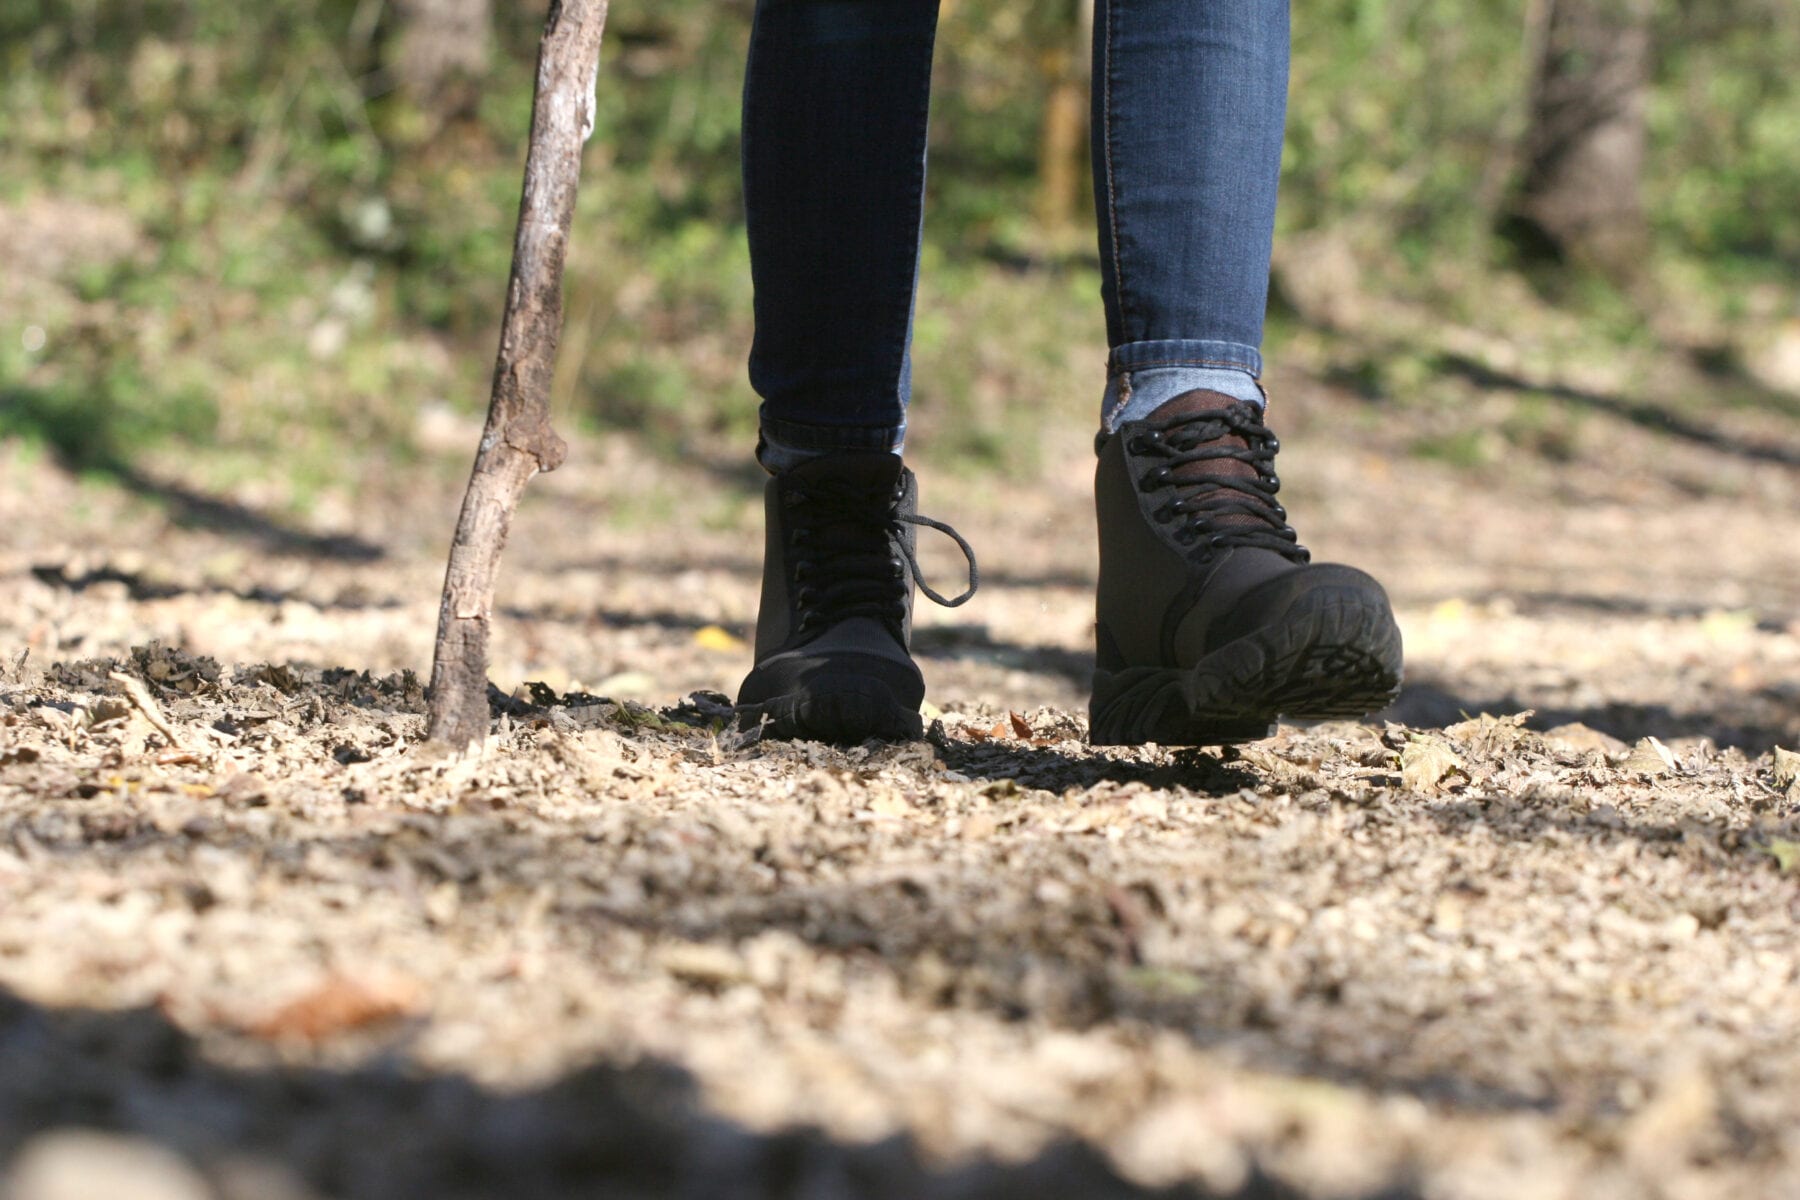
(315,257)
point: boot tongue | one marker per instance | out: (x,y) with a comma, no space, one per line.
(1190,413)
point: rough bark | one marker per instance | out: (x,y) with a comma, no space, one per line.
(1581,198)
(518,441)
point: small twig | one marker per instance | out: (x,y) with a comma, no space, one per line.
(140,696)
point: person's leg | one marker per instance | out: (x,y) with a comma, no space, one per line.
(1211,621)
(835,101)
(1189,103)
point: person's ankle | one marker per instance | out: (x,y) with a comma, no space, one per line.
(778,455)
(1135,395)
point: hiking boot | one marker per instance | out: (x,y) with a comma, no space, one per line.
(1212,621)
(833,631)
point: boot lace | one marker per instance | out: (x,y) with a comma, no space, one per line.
(1225,507)
(852,558)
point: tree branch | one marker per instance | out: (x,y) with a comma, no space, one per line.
(518,440)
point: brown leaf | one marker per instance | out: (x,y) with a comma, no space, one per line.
(340,1004)
(1021,726)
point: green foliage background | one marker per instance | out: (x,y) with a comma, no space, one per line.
(321,257)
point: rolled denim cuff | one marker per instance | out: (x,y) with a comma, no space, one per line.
(1142,376)
(1136,356)
(783,444)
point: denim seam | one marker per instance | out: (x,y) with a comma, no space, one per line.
(1232,364)
(911,287)
(1112,188)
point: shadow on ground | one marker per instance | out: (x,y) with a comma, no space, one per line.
(1753,723)
(387,1131)
(90,436)
(1649,416)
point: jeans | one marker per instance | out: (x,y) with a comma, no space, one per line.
(1189,101)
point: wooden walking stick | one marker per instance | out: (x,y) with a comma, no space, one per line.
(517,441)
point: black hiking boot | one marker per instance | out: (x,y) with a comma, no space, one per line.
(832,635)
(1212,621)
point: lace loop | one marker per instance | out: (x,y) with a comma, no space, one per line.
(857,556)
(912,561)
(1227,507)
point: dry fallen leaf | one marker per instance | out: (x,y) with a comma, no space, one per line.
(1583,739)
(887,804)
(1649,757)
(140,695)
(1021,727)
(714,637)
(1786,854)
(702,963)
(979,827)
(1786,771)
(340,1004)
(1425,763)
(1488,734)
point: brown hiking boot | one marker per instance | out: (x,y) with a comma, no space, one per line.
(1212,620)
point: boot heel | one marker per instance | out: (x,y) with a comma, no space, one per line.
(1150,704)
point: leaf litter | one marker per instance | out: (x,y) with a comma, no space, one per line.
(1449,955)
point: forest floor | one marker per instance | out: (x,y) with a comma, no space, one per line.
(261,946)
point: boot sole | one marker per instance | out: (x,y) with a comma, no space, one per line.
(1336,656)
(850,713)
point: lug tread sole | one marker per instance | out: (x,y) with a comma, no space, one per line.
(842,716)
(1333,658)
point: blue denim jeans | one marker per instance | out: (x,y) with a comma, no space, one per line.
(1189,101)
